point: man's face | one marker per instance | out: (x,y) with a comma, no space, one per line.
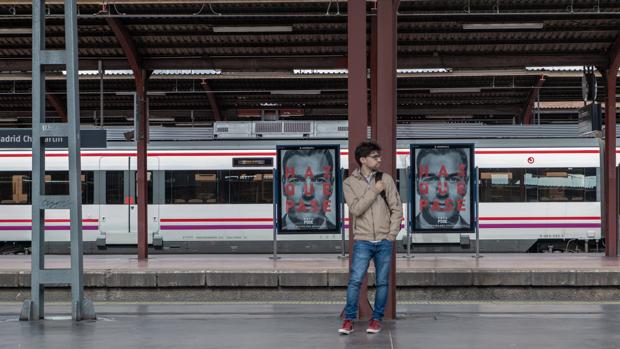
(307,187)
(442,186)
(372,161)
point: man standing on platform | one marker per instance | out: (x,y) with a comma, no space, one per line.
(375,213)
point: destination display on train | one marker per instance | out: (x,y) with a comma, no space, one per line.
(308,189)
(442,187)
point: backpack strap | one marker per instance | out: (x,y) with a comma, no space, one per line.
(378,177)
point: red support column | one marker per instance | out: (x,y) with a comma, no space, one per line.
(528,113)
(142,183)
(212,101)
(611,188)
(374,118)
(357,107)
(141,77)
(610,219)
(57,104)
(386,110)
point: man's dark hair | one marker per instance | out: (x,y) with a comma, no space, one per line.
(364,149)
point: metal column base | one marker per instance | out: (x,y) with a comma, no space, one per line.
(79,312)
(83,311)
(26,313)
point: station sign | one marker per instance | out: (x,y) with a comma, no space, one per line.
(309,187)
(442,184)
(22,138)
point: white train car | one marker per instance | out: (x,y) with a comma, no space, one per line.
(216,197)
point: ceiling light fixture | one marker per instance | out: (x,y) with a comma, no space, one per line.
(502,26)
(319,71)
(449,116)
(570,68)
(426,70)
(254,29)
(295,92)
(455,90)
(15,31)
(153,119)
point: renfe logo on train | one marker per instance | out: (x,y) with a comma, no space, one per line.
(309,187)
(442,187)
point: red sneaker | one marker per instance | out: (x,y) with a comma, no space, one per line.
(347,327)
(374,326)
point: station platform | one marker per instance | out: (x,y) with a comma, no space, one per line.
(268,326)
(319,277)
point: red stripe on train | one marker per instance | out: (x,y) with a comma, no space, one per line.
(216,220)
(538,218)
(88,220)
(219,220)
(344,153)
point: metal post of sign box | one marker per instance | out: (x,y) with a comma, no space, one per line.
(276,184)
(34,308)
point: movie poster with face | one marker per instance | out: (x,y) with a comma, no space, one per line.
(442,187)
(309,180)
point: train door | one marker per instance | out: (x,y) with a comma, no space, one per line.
(153,198)
(115,202)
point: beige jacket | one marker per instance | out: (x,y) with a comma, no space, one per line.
(369,216)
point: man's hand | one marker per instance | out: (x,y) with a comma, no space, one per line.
(379,186)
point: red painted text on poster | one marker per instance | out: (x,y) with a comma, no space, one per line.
(308,185)
(442,191)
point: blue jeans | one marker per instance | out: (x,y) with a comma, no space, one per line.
(363,252)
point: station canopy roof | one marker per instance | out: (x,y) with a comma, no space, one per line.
(458,60)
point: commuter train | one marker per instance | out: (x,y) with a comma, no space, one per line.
(536,195)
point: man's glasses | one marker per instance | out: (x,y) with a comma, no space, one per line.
(376,156)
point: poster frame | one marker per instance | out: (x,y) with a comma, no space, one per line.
(336,172)
(412,183)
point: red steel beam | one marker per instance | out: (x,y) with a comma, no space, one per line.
(212,101)
(57,104)
(127,44)
(140,76)
(386,111)
(357,83)
(528,113)
(614,54)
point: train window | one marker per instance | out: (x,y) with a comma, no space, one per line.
(149,183)
(501,185)
(560,184)
(15,188)
(249,187)
(537,184)
(88,187)
(115,187)
(57,183)
(195,187)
